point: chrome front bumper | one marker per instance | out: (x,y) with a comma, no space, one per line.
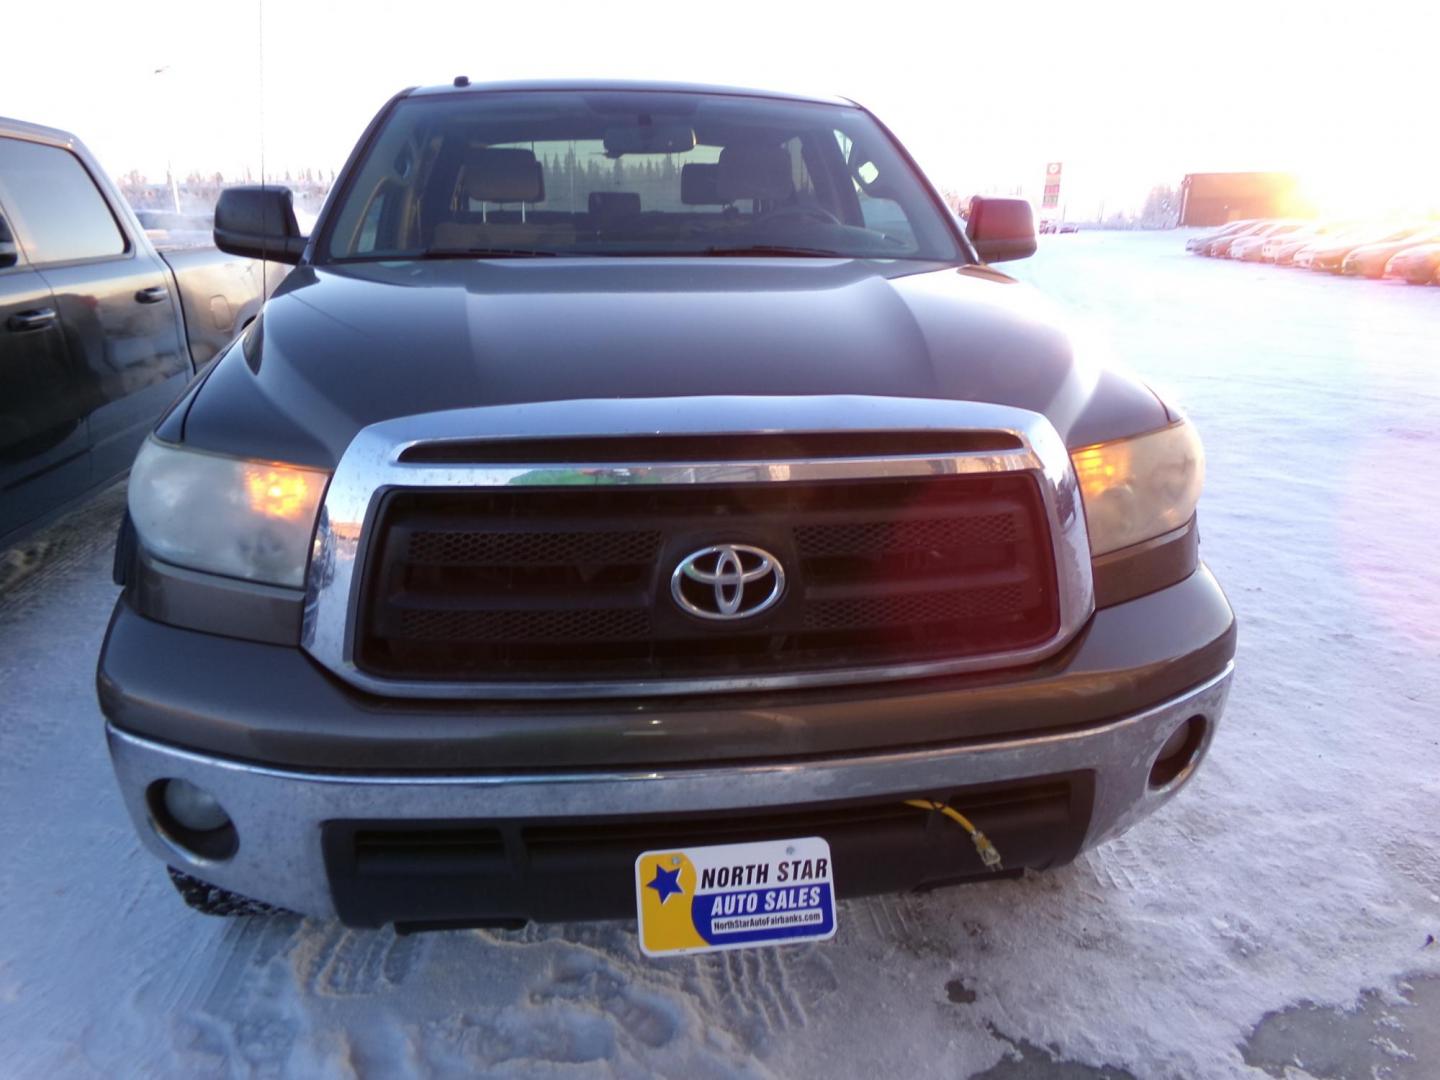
(278,814)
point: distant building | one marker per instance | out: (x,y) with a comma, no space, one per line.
(1215,198)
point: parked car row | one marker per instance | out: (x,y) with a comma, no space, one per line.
(1408,250)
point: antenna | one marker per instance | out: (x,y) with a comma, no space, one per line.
(260,51)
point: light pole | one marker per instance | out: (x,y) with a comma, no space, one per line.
(170,172)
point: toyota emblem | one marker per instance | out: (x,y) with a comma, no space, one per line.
(727,581)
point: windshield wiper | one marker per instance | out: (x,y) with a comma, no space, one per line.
(486,253)
(776,249)
(738,251)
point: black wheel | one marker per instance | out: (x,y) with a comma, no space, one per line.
(212,900)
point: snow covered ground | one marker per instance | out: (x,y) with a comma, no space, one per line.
(1303,864)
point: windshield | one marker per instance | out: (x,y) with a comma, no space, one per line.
(633,173)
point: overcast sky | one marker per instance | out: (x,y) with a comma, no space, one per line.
(1125,94)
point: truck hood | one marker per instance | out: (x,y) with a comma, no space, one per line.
(339,348)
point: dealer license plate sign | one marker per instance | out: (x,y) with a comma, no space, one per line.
(733,896)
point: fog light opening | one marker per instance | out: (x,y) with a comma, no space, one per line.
(1177,757)
(191,820)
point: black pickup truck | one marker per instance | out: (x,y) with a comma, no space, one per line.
(99,331)
(631,476)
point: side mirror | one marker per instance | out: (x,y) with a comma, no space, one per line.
(258,222)
(1001,229)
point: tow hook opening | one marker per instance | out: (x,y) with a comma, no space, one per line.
(1178,756)
(191,820)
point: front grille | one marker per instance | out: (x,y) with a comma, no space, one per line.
(952,606)
(572,583)
(894,537)
(606,624)
(452,548)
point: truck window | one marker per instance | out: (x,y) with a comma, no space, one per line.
(879,212)
(630,172)
(56,208)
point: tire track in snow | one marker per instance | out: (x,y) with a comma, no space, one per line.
(32,575)
(671,1017)
(335,961)
(888,915)
(1118,864)
(245,1000)
(647,1014)
(907,923)
(761,992)
(28,569)
(220,970)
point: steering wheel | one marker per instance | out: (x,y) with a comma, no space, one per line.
(800,213)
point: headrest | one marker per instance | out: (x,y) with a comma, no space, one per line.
(698,184)
(611,204)
(501,176)
(750,171)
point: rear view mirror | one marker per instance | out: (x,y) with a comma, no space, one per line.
(1001,229)
(649,137)
(258,222)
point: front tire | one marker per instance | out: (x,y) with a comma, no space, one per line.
(213,900)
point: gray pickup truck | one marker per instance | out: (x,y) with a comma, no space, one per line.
(627,480)
(99,331)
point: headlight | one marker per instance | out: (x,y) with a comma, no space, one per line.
(1139,488)
(224,515)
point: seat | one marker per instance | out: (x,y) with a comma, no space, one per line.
(497,175)
(754,171)
(503,175)
(606,206)
(699,185)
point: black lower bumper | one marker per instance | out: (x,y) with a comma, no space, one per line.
(443,874)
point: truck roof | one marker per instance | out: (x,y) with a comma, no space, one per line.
(22,129)
(621,84)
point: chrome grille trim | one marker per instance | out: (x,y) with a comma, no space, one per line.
(371,466)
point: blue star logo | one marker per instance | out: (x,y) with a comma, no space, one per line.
(666,883)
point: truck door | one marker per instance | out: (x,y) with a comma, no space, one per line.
(44,460)
(112,294)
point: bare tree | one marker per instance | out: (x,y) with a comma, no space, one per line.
(1162,208)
